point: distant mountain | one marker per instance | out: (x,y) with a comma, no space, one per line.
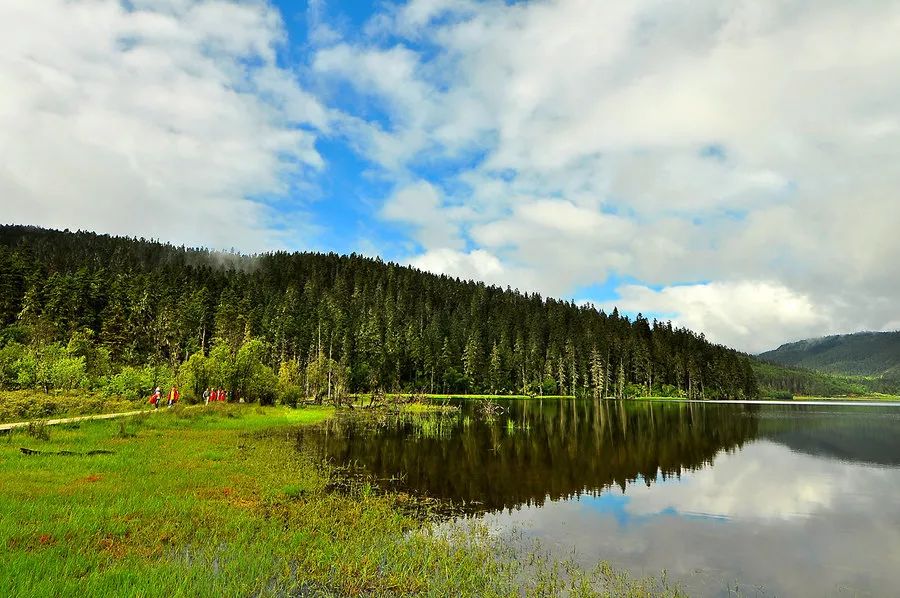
(860,354)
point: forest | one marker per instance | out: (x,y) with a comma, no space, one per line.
(80,310)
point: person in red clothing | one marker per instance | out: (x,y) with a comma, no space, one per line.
(156,398)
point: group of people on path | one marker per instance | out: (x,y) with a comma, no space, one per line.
(214,395)
(156,397)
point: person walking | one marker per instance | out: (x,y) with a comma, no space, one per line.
(206,395)
(156,398)
(173,396)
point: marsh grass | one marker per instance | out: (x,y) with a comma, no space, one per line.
(217,501)
(38,430)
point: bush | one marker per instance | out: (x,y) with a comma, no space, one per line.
(668,390)
(68,373)
(291,395)
(138,383)
(195,375)
(10,357)
(634,390)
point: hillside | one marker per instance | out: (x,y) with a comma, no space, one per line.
(87,310)
(861,354)
(834,365)
(780,381)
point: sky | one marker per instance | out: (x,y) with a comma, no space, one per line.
(731,165)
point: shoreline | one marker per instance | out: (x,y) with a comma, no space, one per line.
(843,402)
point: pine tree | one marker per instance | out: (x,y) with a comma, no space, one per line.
(598,380)
(495,369)
(620,381)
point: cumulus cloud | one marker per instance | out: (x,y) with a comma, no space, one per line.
(737,159)
(753,315)
(732,142)
(478,264)
(158,118)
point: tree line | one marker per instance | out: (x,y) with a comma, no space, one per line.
(79,309)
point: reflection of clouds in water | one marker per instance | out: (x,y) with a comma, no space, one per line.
(765,516)
(755,483)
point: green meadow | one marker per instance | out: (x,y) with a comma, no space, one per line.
(219,501)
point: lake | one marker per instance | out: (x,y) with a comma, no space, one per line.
(760,500)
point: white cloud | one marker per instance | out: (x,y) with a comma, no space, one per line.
(422,206)
(162,120)
(732,142)
(744,485)
(478,264)
(752,315)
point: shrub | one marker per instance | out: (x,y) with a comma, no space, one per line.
(634,390)
(291,395)
(68,373)
(138,383)
(10,357)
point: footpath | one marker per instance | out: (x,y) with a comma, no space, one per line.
(69,420)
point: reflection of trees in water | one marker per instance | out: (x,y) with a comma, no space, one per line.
(849,433)
(541,449)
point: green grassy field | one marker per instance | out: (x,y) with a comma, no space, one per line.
(218,501)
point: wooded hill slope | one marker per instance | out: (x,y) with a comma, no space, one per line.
(863,353)
(852,364)
(358,323)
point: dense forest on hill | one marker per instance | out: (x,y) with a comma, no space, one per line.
(851,364)
(88,310)
(778,381)
(863,353)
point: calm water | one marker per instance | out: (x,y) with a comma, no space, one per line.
(771,500)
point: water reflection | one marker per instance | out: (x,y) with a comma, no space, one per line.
(857,434)
(539,450)
(771,500)
(765,521)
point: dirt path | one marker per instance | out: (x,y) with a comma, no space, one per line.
(68,420)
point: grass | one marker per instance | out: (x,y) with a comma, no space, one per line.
(423,408)
(22,405)
(217,501)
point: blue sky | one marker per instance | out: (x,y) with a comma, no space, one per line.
(699,161)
